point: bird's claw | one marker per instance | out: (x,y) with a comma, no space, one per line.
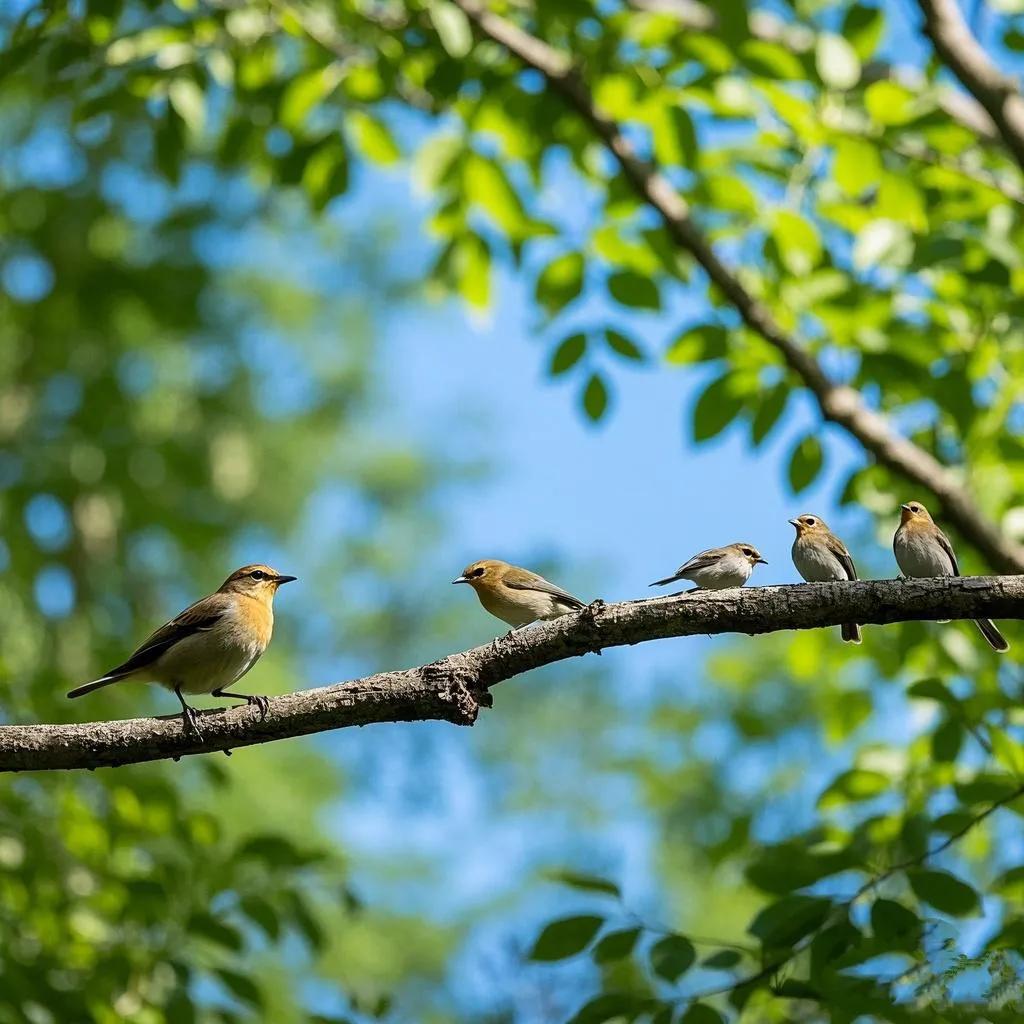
(261,702)
(191,720)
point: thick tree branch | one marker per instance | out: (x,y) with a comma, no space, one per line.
(456,687)
(999,94)
(839,404)
(800,39)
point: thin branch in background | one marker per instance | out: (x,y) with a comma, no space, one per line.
(800,39)
(838,403)
(869,886)
(961,52)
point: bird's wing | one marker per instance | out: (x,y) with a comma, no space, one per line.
(196,618)
(702,560)
(521,579)
(948,548)
(838,548)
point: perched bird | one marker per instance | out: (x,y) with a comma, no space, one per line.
(718,568)
(820,556)
(210,645)
(923,550)
(516,596)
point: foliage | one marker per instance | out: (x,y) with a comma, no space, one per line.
(881,230)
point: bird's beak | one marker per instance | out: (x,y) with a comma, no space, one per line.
(460,579)
(763,561)
(285,579)
(905,508)
(794,522)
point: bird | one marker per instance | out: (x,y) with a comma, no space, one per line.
(820,556)
(210,645)
(718,568)
(516,596)
(922,550)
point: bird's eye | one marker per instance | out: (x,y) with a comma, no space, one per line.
(747,552)
(258,574)
(809,520)
(477,572)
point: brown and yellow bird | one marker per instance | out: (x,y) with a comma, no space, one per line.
(820,557)
(517,596)
(922,550)
(210,645)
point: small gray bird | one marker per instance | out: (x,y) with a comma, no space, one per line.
(820,557)
(922,550)
(718,568)
(517,596)
(210,645)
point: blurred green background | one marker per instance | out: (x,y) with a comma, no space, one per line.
(333,287)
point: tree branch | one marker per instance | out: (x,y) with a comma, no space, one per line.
(768,27)
(454,688)
(839,403)
(999,94)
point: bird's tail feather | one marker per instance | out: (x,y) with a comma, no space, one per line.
(97,684)
(667,579)
(850,632)
(992,635)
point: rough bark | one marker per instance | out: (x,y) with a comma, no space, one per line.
(838,403)
(454,688)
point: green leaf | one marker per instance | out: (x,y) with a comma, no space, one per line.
(863,28)
(472,265)
(769,410)
(373,138)
(609,1006)
(488,188)
(857,166)
(672,956)
(837,61)
(893,921)
(787,921)
(630,289)
(716,408)
(947,740)
(698,345)
(1008,752)
(595,397)
(565,938)
(452,27)
(986,787)
(241,987)
(675,140)
(616,945)
(722,960)
(325,174)
(805,463)
(568,354)
(303,93)
(587,883)
(623,346)
(701,1013)
(943,891)
(797,241)
(560,282)
(933,689)
(216,931)
(856,784)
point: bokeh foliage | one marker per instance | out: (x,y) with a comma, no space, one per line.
(881,230)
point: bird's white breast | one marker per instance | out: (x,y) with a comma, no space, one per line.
(918,554)
(816,563)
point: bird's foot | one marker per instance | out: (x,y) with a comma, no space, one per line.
(191,721)
(261,702)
